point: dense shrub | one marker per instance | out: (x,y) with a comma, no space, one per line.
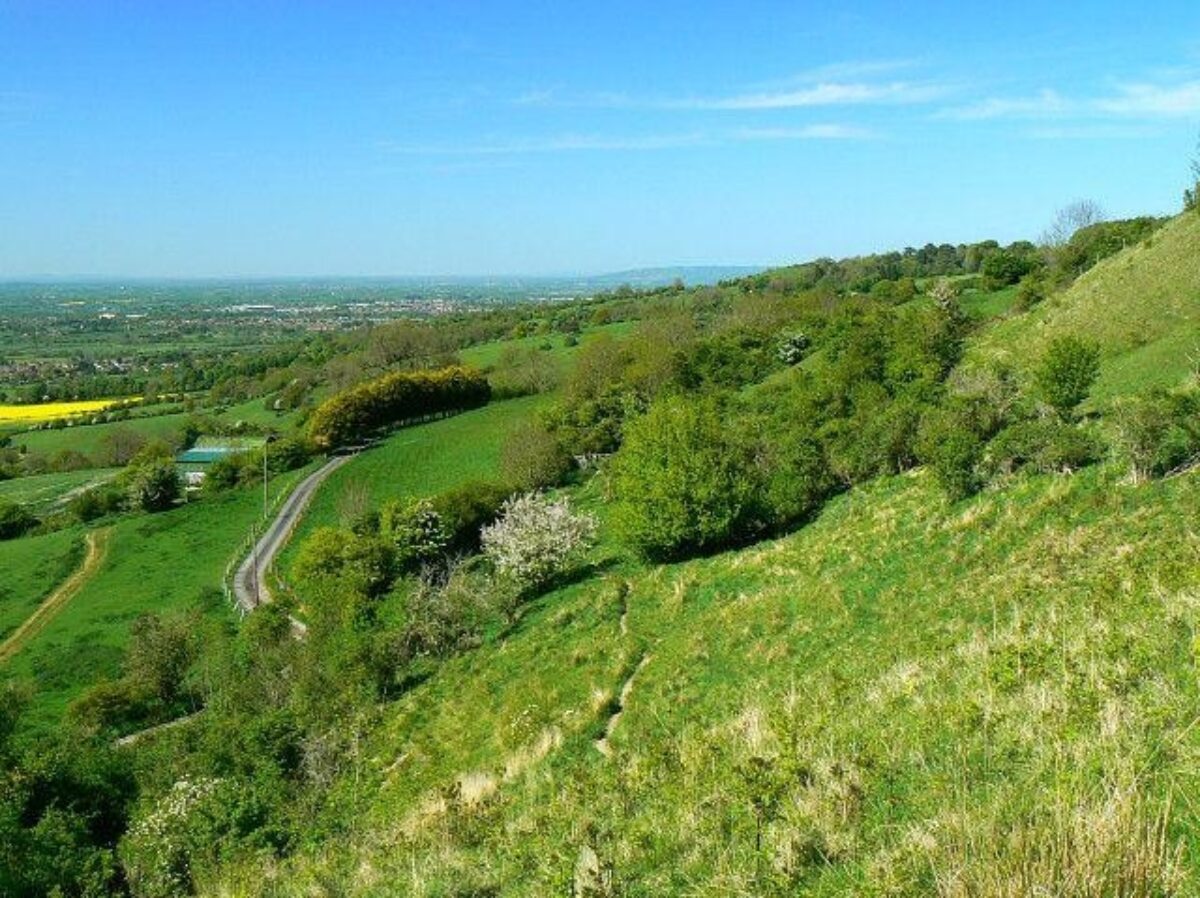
(360,564)
(798,476)
(357,412)
(730,359)
(466,509)
(1043,446)
(685,481)
(1159,432)
(1066,372)
(1008,266)
(152,482)
(15,520)
(524,371)
(415,530)
(537,539)
(96,502)
(593,425)
(531,458)
(951,448)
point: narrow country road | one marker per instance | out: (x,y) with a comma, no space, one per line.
(250,581)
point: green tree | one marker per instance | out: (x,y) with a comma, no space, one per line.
(1066,372)
(531,458)
(15,520)
(685,481)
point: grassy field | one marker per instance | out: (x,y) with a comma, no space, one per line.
(32,567)
(43,491)
(417,461)
(90,438)
(155,563)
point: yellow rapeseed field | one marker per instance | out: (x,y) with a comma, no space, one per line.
(48,411)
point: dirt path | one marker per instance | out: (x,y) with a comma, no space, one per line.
(97,549)
(602,744)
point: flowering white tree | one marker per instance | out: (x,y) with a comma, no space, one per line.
(537,538)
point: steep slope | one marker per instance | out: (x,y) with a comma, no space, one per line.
(1142,305)
(918,681)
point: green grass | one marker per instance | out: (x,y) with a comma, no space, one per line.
(90,438)
(155,563)
(255,412)
(33,567)
(981,304)
(918,661)
(417,461)
(42,492)
(1142,306)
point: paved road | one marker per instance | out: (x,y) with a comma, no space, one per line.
(250,581)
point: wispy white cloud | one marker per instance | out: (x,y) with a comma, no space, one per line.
(571,143)
(1153,100)
(1145,101)
(806,132)
(1044,104)
(825,93)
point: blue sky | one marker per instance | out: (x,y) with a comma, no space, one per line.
(255,138)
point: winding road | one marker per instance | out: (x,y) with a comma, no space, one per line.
(250,582)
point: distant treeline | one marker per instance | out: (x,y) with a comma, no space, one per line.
(359,411)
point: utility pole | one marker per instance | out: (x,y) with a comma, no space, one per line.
(265,445)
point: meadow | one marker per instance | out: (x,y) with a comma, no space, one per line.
(32,568)
(44,492)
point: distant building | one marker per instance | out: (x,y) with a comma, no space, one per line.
(194,463)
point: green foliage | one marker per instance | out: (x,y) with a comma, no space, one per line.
(948,444)
(1089,245)
(684,481)
(1066,372)
(1046,447)
(96,502)
(1008,266)
(415,530)
(407,395)
(151,479)
(730,359)
(15,520)
(531,458)
(467,508)
(362,564)
(1159,432)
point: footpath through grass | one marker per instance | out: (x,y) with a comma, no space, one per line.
(32,567)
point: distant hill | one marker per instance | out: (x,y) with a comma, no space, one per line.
(692,275)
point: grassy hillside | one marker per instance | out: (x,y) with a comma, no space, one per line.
(90,438)
(32,567)
(925,681)
(1142,305)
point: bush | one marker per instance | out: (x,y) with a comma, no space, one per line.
(415,531)
(531,458)
(1046,447)
(358,564)
(1066,373)
(96,503)
(1160,432)
(466,509)
(151,479)
(798,475)
(537,539)
(951,448)
(685,481)
(15,520)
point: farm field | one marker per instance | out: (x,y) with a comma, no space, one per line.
(50,411)
(44,491)
(171,561)
(33,566)
(90,439)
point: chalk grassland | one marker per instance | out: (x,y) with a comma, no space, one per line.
(50,411)
(1015,671)
(1142,306)
(154,563)
(32,567)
